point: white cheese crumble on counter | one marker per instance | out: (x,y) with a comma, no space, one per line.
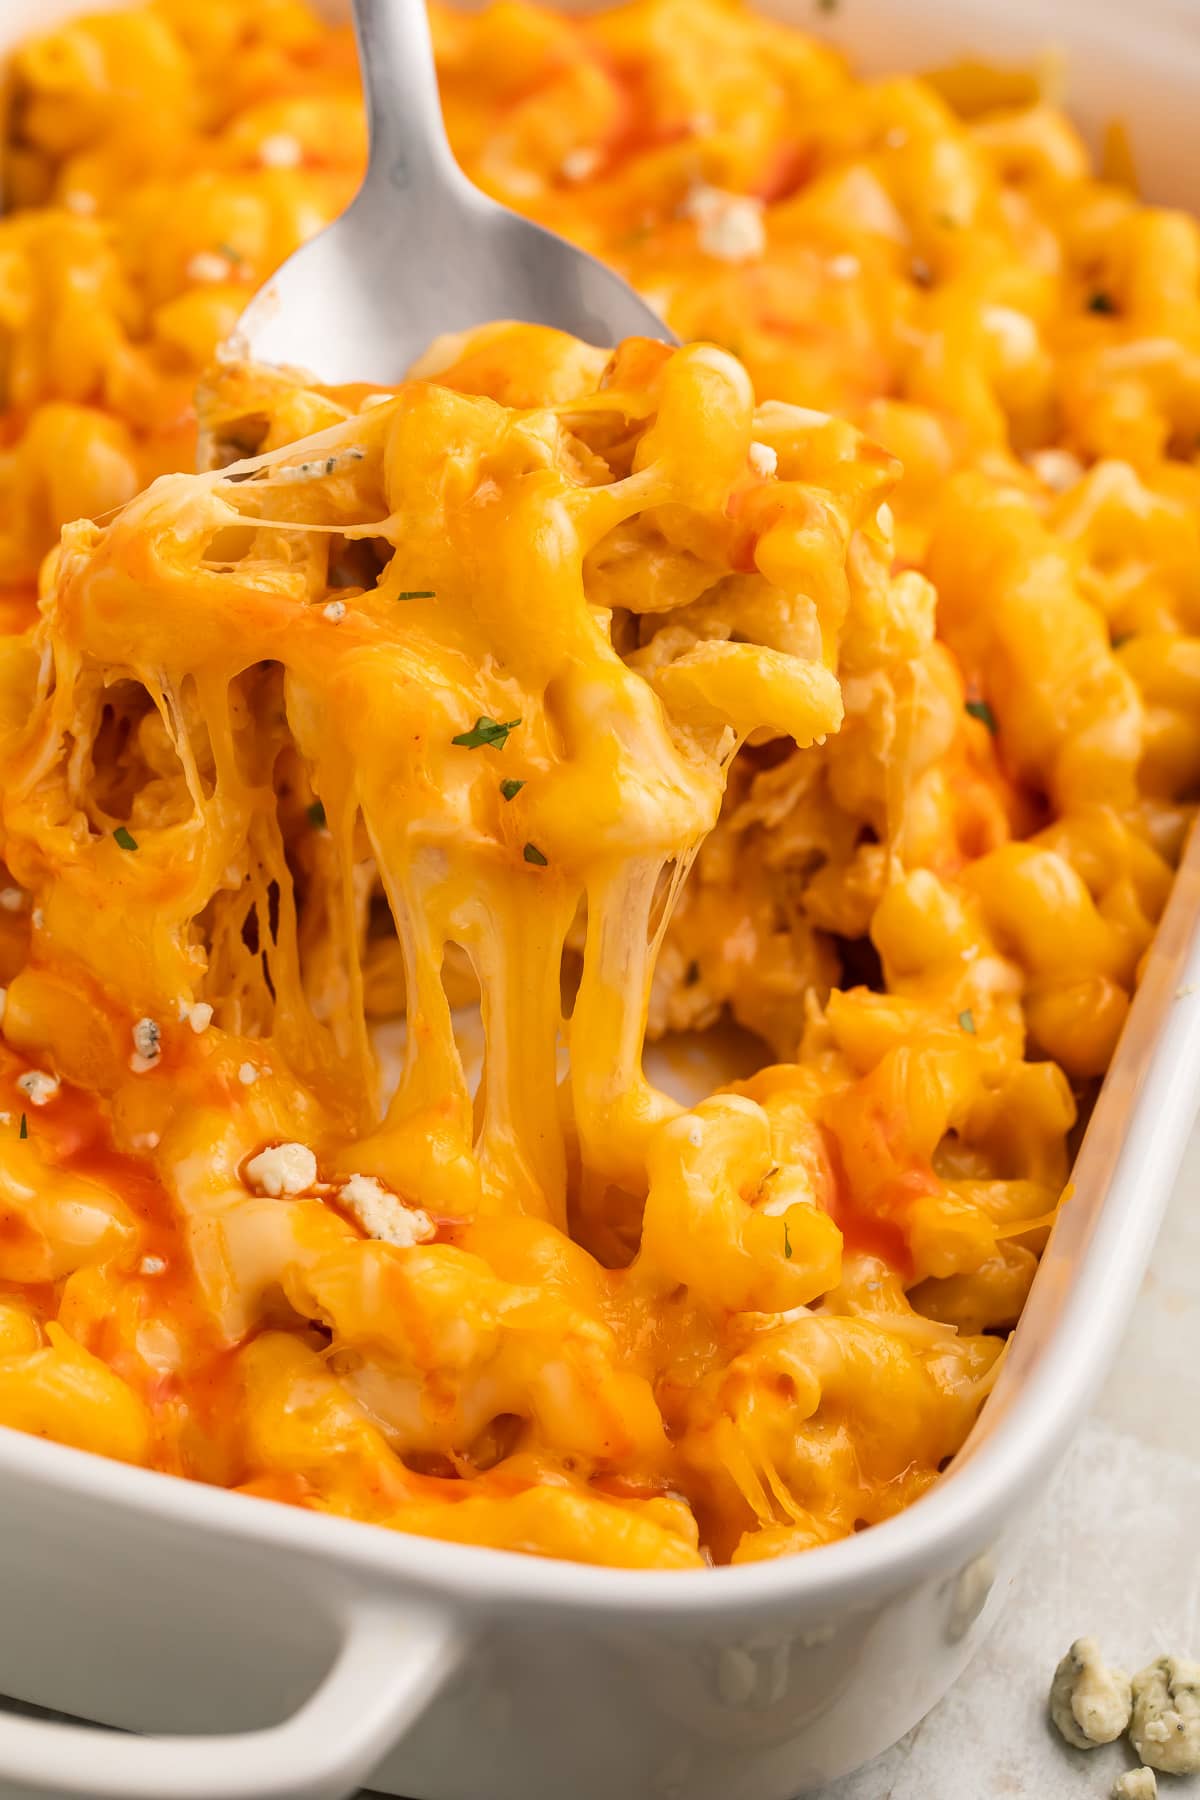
(1135,1784)
(383,1215)
(282,1169)
(1165,1728)
(1089,1703)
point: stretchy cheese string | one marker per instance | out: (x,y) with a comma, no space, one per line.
(373,703)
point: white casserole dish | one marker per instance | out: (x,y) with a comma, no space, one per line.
(449,1673)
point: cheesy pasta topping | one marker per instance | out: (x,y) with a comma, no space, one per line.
(828,685)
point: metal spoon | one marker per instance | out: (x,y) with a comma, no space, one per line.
(420,250)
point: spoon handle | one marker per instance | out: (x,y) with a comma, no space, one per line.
(409,151)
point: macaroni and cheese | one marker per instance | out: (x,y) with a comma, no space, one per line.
(830,684)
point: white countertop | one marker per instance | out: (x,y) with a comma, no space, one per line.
(1114,1554)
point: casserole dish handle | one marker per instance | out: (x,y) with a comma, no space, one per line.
(387,1667)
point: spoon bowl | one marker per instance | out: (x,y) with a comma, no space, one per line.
(421,250)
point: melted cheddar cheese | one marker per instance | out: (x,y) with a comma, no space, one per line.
(369,799)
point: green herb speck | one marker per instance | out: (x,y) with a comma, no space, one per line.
(510,789)
(532,854)
(125,838)
(787,1241)
(485,731)
(416,594)
(24,1132)
(979,709)
(1100,302)
(316,816)
(967,1021)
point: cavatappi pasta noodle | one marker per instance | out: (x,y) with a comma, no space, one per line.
(600,695)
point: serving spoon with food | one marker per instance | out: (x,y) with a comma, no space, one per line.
(420,250)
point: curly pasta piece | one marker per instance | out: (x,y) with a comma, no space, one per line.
(738,1230)
(62,1391)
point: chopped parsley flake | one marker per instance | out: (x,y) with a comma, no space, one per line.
(979,709)
(416,594)
(787,1241)
(125,838)
(486,731)
(1122,637)
(24,1131)
(227,250)
(1100,302)
(510,789)
(532,854)
(316,816)
(967,1021)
